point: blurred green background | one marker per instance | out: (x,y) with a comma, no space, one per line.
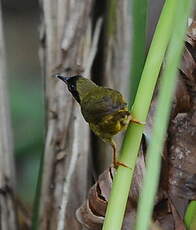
(21,20)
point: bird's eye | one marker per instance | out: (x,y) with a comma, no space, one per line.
(72,87)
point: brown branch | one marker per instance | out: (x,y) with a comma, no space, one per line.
(7,209)
(67,42)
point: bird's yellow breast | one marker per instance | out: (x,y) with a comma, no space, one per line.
(111,124)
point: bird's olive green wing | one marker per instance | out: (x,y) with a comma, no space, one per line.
(101,102)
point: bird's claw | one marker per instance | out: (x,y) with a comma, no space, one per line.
(137,121)
(118,163)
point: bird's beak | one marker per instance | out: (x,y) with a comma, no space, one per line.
(63,78)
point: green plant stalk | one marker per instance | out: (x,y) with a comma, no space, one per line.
(193,224)
(36,204)
(111,18)
(190,216)
(167,87)
(138,48)
(122,179)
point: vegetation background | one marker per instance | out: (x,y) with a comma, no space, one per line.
(25,86)
(45,119)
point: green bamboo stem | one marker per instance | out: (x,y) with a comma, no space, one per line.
(111,18)
(167,87)
(122,179)
(36,204)
(190,216)
(139,10)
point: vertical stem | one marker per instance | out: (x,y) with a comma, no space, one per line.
(122,180)
(62,47)
(111,18)
(167,87)
(7,206)
(139,20)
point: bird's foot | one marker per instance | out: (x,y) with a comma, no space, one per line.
(118,163)
(137,121)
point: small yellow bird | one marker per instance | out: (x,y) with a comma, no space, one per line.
(103,108)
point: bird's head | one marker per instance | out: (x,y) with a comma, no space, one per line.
(78,85)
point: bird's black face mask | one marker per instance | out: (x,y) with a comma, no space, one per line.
(72,85)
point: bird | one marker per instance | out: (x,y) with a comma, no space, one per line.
(104,109)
